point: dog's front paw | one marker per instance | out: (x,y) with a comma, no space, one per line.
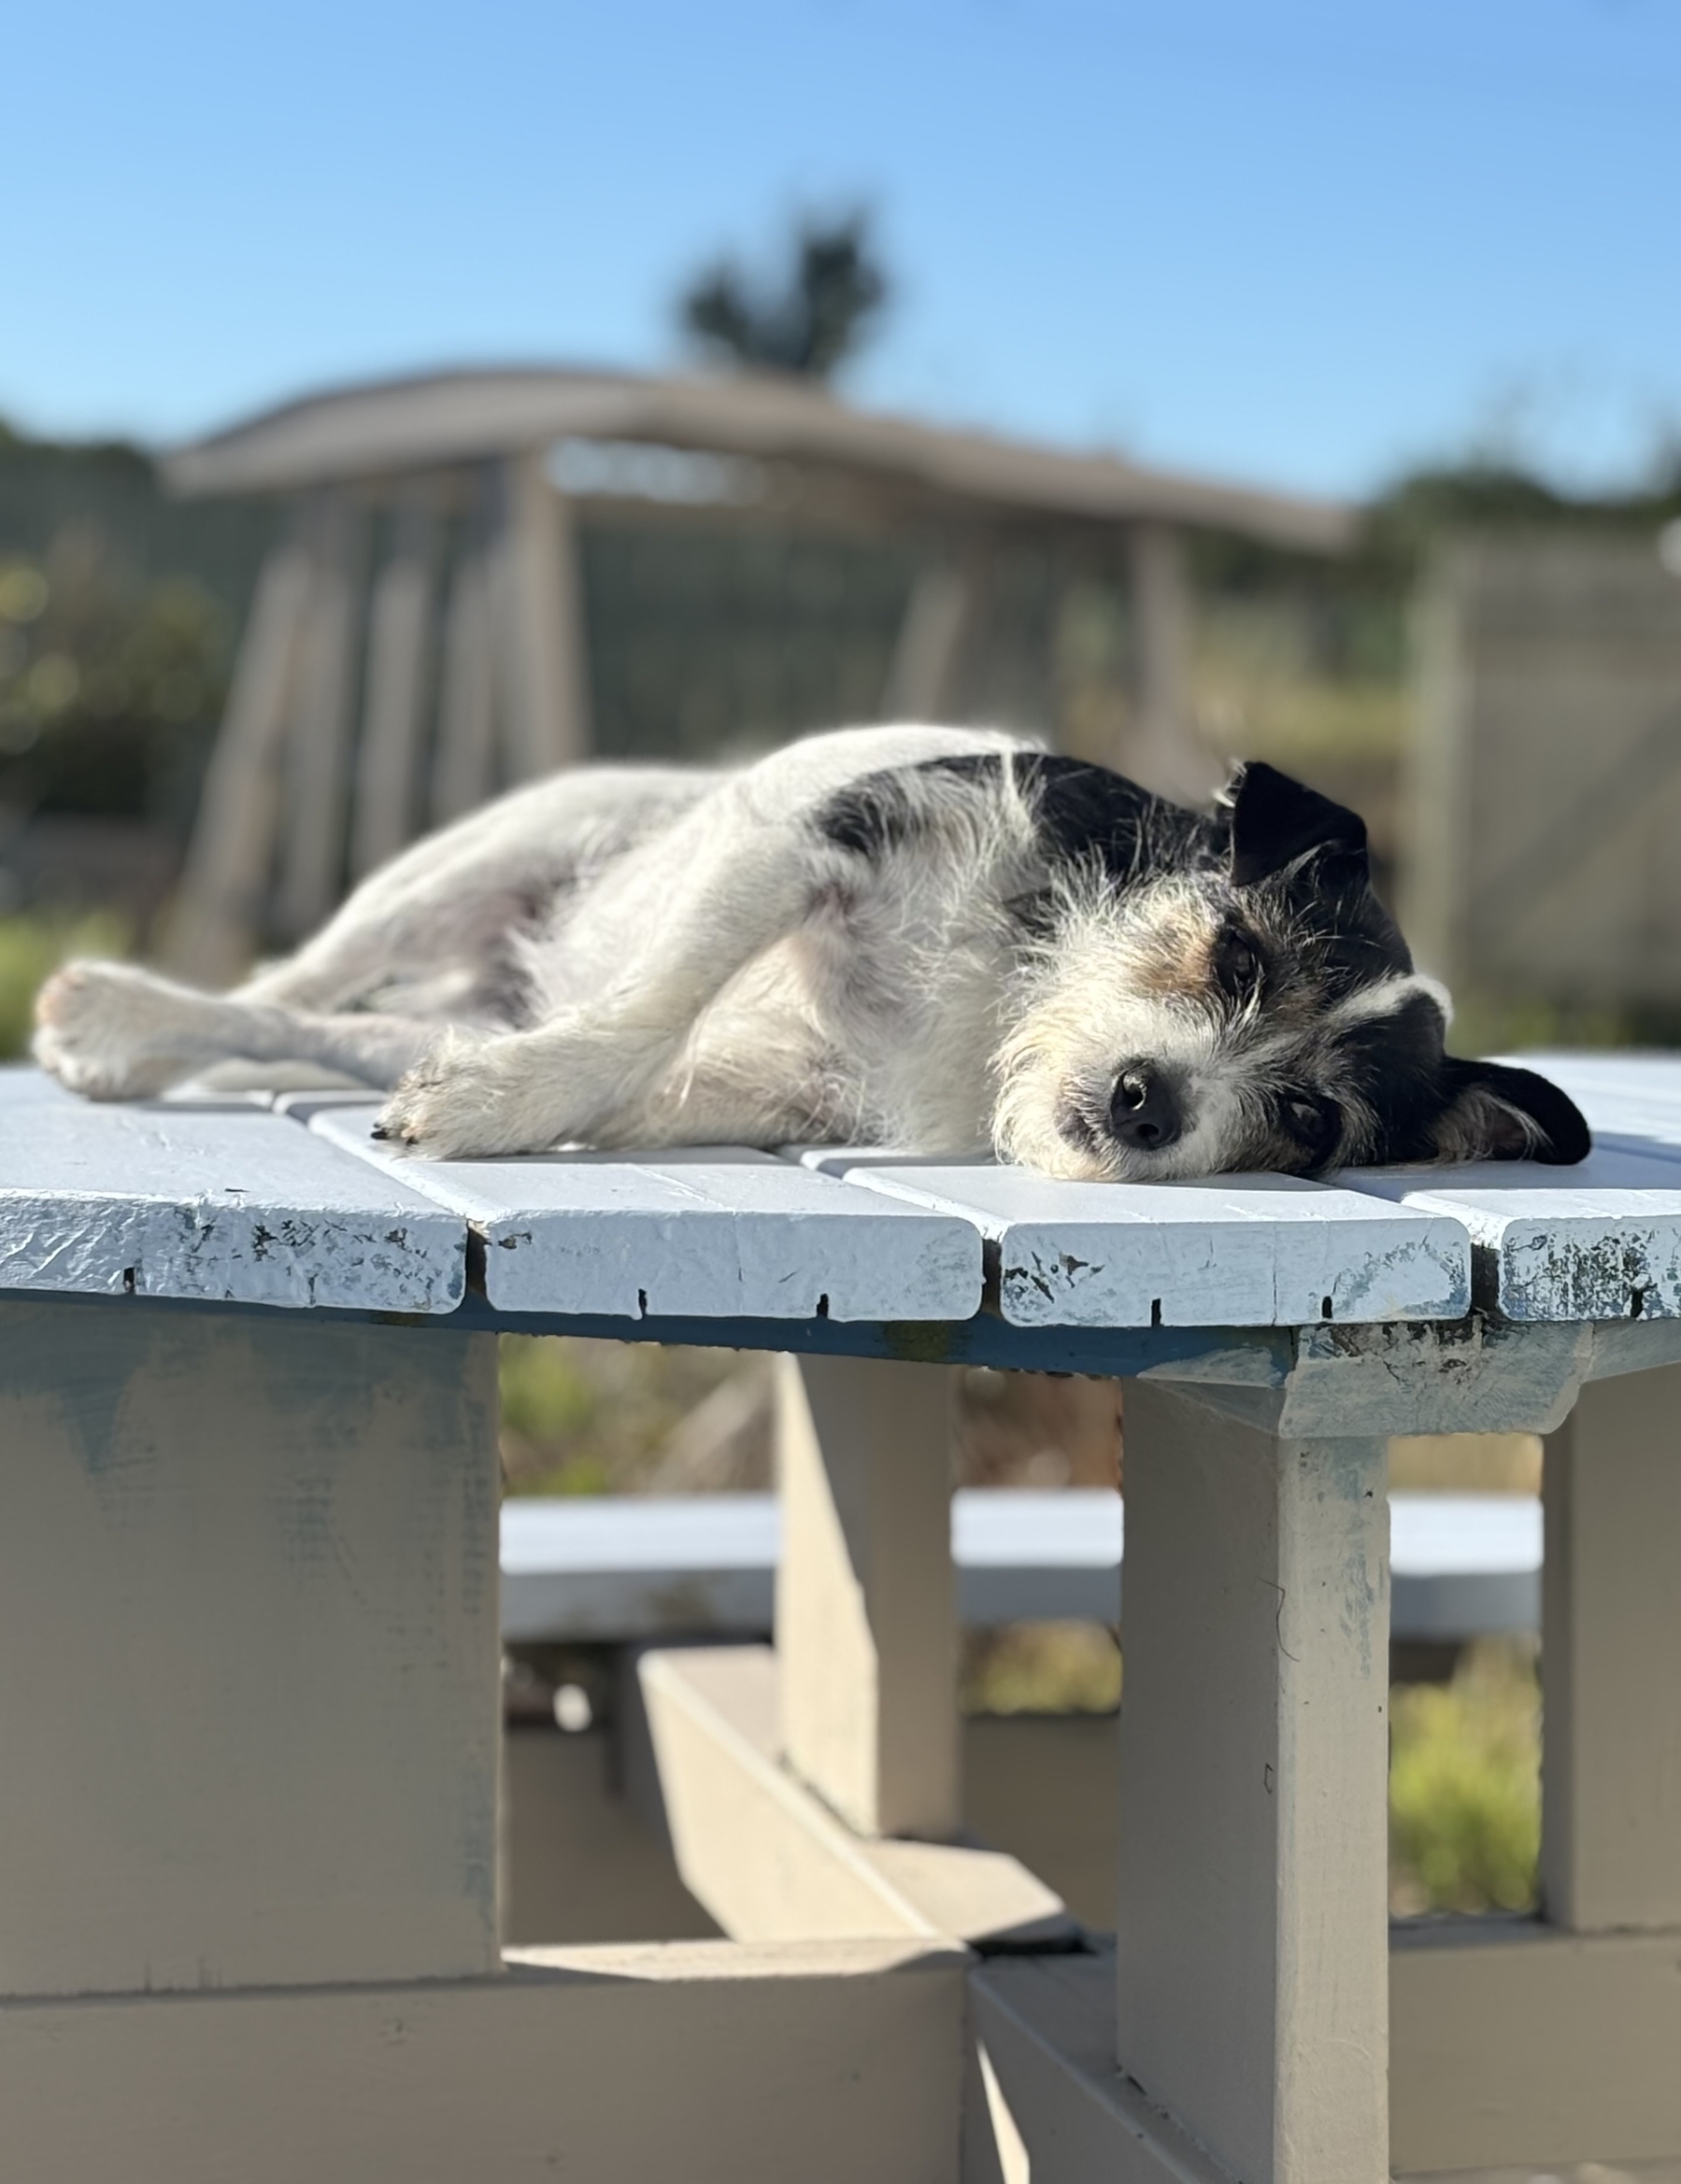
(97,1030)
(468,1098)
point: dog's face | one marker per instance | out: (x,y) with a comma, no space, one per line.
(1259,1011)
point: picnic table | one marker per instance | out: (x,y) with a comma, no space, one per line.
(249,1600)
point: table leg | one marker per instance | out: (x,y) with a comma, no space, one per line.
(1251,1921)
(247,1614)
(865,1614)
(1611,1772)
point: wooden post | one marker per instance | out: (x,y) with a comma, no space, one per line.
(1252,1942)
(1611,1617)
(865,1618)
(213,924)
(248,1598)
(399,631)
(921,682)
(540,652)
(463,763)
(1164,750)
(318,731)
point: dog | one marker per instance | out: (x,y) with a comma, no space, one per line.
(949,940)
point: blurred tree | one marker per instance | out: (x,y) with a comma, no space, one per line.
(812,322)
(110,689)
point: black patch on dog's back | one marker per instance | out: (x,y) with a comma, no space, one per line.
(1082,813)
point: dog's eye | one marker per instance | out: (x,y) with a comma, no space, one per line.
(1237,965)
(1313,1123)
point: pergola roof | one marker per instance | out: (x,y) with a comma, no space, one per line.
(394,427)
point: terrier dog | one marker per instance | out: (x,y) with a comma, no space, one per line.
(934,938)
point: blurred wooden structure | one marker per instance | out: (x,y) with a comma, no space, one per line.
(1545,798)
(420,640)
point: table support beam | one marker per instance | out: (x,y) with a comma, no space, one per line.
(1251,1920)
(865,1601)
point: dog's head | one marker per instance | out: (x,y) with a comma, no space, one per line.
(1254,1009)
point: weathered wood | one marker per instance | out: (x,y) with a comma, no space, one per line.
(385,813)
(1598,1241)
(1239,1250)
(212,927)
(772,1861)
(318,727)
(716,1232)
(867,1632)
(540,660)
(1611,1832)
(1516,2044)
(227,1203)
(253,1564)
(698,2061)
(1250,1936)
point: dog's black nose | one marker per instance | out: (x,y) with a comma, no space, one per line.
(1146,1110)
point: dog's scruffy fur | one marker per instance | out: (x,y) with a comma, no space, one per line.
(936,938)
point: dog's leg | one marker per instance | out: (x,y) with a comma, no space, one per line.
(657,945)
(114,1031)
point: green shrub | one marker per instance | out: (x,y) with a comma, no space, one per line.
(1466,1785)
(30,949)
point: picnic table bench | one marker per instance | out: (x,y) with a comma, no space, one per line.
(248,1598)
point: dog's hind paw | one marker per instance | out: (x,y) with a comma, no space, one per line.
(97,1031)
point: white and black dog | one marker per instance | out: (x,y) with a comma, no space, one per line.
(936,938)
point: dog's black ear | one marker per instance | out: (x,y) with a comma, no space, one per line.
(1275,820)
(1495,1113)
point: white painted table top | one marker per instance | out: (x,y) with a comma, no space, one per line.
(227,1200)
(215,1201)
(1238,1250)
(706,1233)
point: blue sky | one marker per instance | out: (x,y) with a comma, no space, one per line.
(1302,242)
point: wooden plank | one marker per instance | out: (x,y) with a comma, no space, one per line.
(223,1202)
(1598,1241)
(711,1232)
(866,1633)
(1251,1949)
(1611,1776)
(652,1565)
(250,1561)
(446,418)
(771,1861)
(1518,2045)
(1241,1251)
(385,813)
(700,2061)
